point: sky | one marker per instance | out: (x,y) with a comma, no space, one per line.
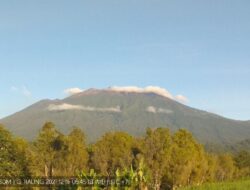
(200,49)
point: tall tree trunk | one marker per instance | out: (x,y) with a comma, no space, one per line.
(157,182)
(51,170)
(45,171)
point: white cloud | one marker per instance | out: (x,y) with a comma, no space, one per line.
(181,98)
(126,89)
(159,91)
(134,89)
(153,109)
(53,107)
(71,91)
(148,89)
(22,90)
(62,107)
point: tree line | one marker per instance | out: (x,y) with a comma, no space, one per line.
(158,160)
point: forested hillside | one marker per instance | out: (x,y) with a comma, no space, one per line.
(158,160)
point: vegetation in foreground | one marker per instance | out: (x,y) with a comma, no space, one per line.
(159,160)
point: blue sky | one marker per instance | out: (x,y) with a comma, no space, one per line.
(200,49)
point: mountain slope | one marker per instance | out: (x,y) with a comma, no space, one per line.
(100,111)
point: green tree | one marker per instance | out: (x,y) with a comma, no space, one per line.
(188,163)
(242,159)
(49,145)
(76,155)
(12,156)
(225,167)
(157,148)
(242,162)
(113,151)
(212,167)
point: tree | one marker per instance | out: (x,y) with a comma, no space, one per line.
(188,164)
(242,159)
(157,148)
(242,162)
(76,155)
(212,165)
(226,167)
(12,157)
(113,151)
(49,145)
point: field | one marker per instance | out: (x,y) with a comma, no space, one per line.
(236,185)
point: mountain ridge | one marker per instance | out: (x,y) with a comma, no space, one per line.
(99,111)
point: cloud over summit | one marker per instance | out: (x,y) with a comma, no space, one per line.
(134,89)
(72,91)
(181,98)
(150,89)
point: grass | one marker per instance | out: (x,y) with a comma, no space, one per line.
(234,185)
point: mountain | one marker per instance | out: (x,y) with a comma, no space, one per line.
(99,111)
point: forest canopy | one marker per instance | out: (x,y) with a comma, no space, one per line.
(158,160)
